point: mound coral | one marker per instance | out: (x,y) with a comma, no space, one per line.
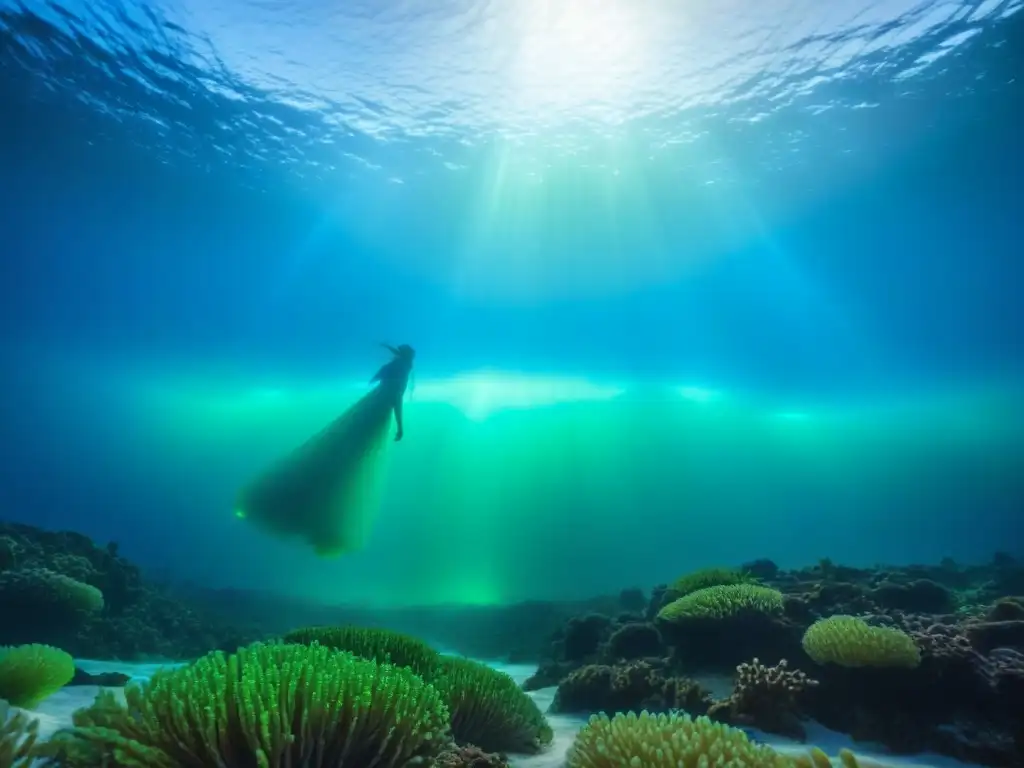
(269,705)
(31,673)
(666,741)
(852,642)
(17,738)
(678,741)
(723,602)
(381,645)
(488,709)
(46,603)
(707,577)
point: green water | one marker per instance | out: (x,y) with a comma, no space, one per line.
(487,501)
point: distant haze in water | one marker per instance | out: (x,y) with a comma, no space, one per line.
(512,486)
(690,283)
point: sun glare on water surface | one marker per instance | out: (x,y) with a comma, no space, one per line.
(574,54)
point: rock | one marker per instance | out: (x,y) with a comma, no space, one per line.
(1006,609)
(635,641)
(583,636)
(763,569)
(106,679)
(548,675)
(986,636)
(920,596)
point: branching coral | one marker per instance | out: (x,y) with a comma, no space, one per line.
(468,757)
(766,697)
(757,684)
(632,686)
(852,642)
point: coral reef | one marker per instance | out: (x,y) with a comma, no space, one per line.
(282,703)
(380,645)
(767,698)
(627,687)
(917,657)
(489,710)
(91,602)
(665,741)
(469,757)
(30,673)
(266,705)
(680,741)
(851,642)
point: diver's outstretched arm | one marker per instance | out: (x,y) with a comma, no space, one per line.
(391,349)
(398,420)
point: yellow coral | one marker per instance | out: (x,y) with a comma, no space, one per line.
(667,741)
(679,741)
(707,577)
(852,642)
(816,758)
(722,602)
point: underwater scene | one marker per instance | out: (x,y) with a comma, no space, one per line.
(548,383)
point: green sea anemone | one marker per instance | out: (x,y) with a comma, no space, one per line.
(31,673)
(267,706)
(489,710)
(382,645)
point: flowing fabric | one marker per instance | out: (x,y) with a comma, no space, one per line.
(324,491)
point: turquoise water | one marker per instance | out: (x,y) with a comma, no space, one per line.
(689,285)
(511,487)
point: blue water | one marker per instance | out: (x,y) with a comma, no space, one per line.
(212,212)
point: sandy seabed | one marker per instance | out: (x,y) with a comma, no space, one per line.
(55,713)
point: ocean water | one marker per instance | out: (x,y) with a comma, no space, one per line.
(690,284)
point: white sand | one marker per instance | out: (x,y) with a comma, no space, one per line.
(831,742)
(56,712)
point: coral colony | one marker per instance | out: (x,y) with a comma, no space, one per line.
(917,658)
